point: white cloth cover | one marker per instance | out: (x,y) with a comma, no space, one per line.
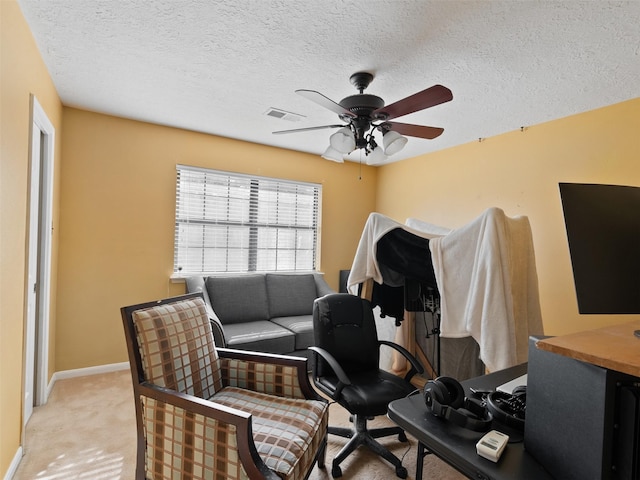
(365,263)
(486,275)
(428,228)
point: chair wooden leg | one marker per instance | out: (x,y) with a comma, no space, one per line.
(322,454)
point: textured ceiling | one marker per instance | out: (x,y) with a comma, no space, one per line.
(217,67)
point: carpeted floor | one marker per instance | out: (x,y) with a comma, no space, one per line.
(87,431)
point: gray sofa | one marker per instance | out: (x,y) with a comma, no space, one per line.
(265,312)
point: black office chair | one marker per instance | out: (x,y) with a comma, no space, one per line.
(346,368)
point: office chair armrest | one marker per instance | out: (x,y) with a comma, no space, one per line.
(335,366)
(416,367)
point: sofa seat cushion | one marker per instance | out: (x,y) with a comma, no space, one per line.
(301,326)
(238,299)
(262,336)
(286,431)
(290,294)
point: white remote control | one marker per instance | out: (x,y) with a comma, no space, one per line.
(492,445)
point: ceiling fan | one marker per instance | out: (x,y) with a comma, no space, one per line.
(365,113)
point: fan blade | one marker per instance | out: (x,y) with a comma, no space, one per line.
(325,102)
(280,132)
(420,131)
(430,97)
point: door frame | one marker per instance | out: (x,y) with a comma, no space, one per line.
(40,228)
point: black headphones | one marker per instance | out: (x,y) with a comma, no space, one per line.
(509,408)
(445,398)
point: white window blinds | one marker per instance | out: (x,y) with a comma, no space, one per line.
(227,222)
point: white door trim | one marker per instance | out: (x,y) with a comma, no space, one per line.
(40,224)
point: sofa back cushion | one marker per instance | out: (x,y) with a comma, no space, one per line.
(239,299)
(290,294)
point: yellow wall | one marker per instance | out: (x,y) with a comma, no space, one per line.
(117,219)
(519,172)
(22,73)
(114,200)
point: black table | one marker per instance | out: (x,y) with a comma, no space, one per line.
(457,446)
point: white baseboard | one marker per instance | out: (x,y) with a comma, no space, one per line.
(13,467)
(83,372)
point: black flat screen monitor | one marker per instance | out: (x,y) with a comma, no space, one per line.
(603,230)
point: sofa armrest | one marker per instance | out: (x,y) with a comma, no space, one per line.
(218,332)
(181,411)
(322,287)
(196,284)
(280,375)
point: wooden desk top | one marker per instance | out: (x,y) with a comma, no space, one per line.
(615,347)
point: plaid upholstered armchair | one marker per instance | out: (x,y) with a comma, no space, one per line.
(212,413)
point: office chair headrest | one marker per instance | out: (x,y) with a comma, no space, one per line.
(341,309)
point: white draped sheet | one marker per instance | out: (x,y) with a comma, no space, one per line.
(486,276)
(365,263)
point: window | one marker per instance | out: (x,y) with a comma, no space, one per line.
(228,222)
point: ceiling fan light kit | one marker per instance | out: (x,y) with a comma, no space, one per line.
(343,140)
(332,154)
(393,142)
(377,156)
(362,111)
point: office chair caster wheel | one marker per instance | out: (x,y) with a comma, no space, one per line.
(402,437)
(336,472)
(401,472)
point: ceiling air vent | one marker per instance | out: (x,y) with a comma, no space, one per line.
(283,114)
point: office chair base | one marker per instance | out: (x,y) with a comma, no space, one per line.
(361,436)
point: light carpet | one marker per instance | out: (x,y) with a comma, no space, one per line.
(87,430)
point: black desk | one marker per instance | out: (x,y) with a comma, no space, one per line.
(457,446)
